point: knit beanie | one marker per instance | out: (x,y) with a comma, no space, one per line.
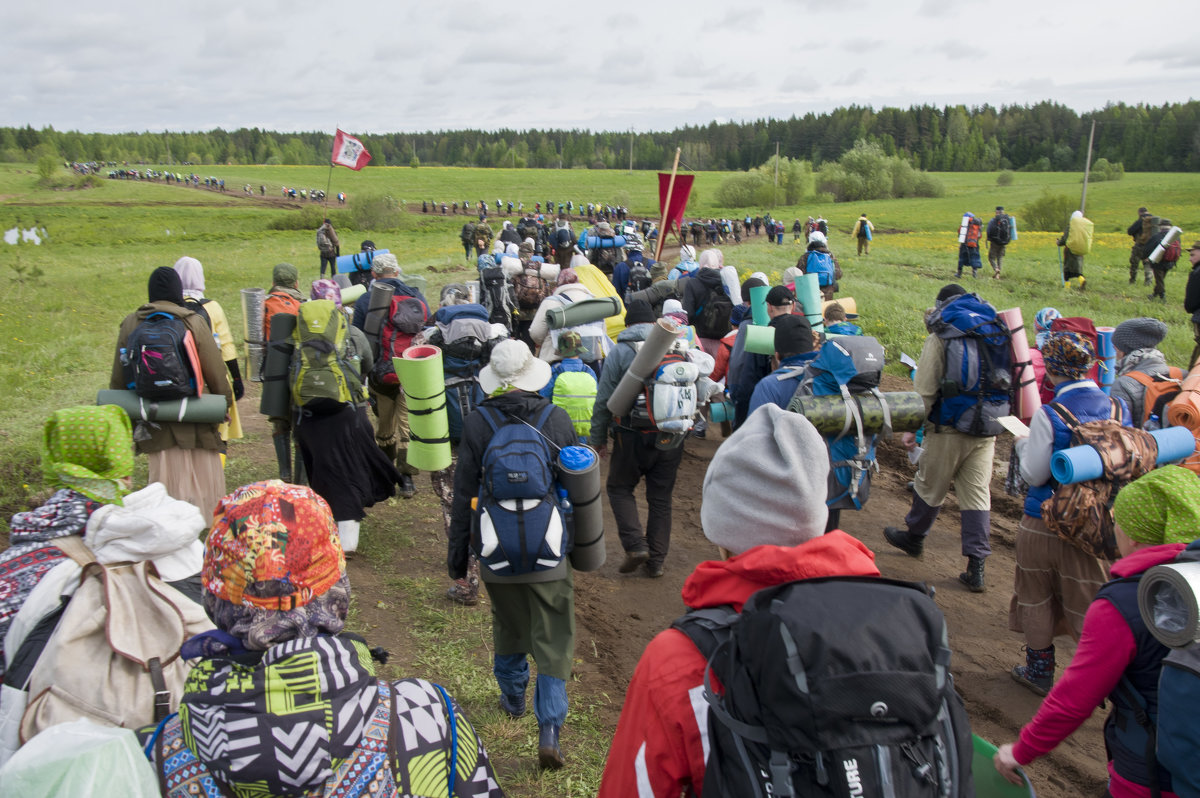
(639,312)
(766,485)
(1134,334)
(1160,507)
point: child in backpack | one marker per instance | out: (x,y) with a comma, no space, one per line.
(184,456)
(1156,516)
(1055,581)
(532,613)
(275,585)
(574,394)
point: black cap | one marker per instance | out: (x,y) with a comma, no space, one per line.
(639,312)
(951,290)
(793,334)
(999,207)
(779,296)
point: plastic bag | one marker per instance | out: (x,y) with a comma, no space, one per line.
(80,758)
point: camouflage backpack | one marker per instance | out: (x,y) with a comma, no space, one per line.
(529,288)
(1081,513)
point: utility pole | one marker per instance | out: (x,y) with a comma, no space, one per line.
(775,194)
(631,151)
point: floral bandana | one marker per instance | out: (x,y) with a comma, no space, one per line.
(1068,354)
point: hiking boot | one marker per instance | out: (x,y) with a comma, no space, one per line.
(407,488)
(550,756)
(1147,281)
(973,576)
(1038,684)
(1132,279)
(460,593)
(902,539)
(513,705)
(633,561)
(654,570)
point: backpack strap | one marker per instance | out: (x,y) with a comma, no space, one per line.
(1063,413)
(74,547)
(1141,716)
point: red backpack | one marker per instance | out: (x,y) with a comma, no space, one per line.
(974,230)
(406,317)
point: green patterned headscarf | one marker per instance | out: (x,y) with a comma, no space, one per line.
(88,449)
(1160,507)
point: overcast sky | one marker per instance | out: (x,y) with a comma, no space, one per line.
(415,65)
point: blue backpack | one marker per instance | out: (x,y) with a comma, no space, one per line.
(463,335)
(977,384)
(845,367)
(519,526)
(820,264)
(155,359)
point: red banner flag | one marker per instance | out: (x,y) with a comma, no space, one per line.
(679,198)
(349,152)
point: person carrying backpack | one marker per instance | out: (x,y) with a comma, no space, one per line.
(964,377)
(284,700)
(1118,660)
(1141,231)
(184,456)
(1166,263)
(562,241)
(283,298)
(687,265)
(1072,260)
(329,247)
(507,509)
(191,276)
(406,317)
(706,301)
(1142,371)
(764,509)
(862,234)
(999,233)
(818,260)
(572,384)
(1055,579)
(968,249)
(593,334)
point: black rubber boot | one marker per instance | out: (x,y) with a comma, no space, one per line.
(973,576)
(283,454)
(550,756)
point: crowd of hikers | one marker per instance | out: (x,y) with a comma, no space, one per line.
(212,622)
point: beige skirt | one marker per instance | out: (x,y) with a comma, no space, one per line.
(191,475)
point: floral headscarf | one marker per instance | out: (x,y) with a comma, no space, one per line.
(326,289)
(1068,354)
(89,450)
(1041,325)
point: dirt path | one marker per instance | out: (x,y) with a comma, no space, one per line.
(617,615)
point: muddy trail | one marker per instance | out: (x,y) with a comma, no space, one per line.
(617,615)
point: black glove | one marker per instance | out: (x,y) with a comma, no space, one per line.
(239,390)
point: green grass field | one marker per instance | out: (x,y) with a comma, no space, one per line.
(65,297)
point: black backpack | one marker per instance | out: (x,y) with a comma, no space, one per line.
(712,318)
(639,279)
(156,362)
(197,305)
(562,238)
(837,686)
(497,296)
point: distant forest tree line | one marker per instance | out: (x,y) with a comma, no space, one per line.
(1042,137)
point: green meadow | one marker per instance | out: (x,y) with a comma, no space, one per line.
(64,298)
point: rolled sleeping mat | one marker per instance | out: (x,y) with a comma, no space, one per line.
(867,232)
(420,372)
(1168,601)
(342,280)
(351,294)
(760,340)
(207,409)
(579,474)
(828,413)
(1028,397)
(808,294)
(276,399)
(963,226)
(758,305)
(588,242)
(1184,411)
(252,323)
(1081,463)
(1107,354)
(1157,254)
(377,309)
(720,411)
(598,283)
(582,312)
(1012,228)
(659,340)
(357,262)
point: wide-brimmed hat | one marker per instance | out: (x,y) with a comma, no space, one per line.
(513,366)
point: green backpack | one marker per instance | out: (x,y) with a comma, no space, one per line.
(575,392)
(325,374)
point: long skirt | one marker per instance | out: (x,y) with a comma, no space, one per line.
(191,475)
(344,465)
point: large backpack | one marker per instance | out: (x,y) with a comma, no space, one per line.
(711,319)
(464,335)
(114,656)
(667,402)
(519,528)
(593,334)
(197,306)
(820,264)
(160,360)
(832,687)
(575,392)
(847,367)
(1160,392)
(325,372)
(639,279)
(1081,512)
(497,296)
(529,288)
(978,380)
(406,317)
(563,238)
(277,302)
(974,229)
(1003,230)
(1079,235)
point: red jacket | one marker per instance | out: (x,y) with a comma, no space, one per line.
(1106,648)
(661,741)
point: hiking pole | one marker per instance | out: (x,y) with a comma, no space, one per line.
(1062,277)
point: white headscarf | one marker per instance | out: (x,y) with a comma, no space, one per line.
(191,274)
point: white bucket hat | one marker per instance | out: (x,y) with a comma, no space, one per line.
(513,366)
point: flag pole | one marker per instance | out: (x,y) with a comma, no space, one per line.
(1087,168)
(329,182)
(662,226)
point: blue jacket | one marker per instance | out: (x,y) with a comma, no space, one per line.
(779,386)
(1086,403)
